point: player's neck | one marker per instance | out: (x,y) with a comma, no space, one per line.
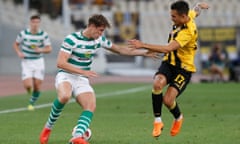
(34,31)
(86,33)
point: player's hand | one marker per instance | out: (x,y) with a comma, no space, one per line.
(21,55)
(153,55)
(90,74)
(135,43)
(203,5)
(38,50)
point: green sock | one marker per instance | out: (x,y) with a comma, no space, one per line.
(83,122)
(56,110)
(34,97)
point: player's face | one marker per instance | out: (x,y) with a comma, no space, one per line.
(176,18)
(34,24)
(97,31)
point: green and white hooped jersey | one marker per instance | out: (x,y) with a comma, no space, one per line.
(83,49)
(29,41)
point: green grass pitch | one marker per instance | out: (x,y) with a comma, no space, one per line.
(124,116)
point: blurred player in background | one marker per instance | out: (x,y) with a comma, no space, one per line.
(217,62)
(30,45)
(177,65)
(74,63)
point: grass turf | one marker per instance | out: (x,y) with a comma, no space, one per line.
(124,116)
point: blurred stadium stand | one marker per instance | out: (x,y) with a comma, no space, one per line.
(147,20)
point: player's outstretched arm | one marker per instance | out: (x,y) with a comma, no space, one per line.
(199,6)
(124,50)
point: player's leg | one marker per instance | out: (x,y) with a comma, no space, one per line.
(27,76)
(86,98)
(157,97)
(88,103)
(36,92)
(177,86)
(28,84)
(170,102)
(64,90)
(36,67)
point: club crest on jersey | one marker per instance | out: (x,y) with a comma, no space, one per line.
(88,54)
(33,46)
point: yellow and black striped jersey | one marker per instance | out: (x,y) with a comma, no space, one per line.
(186,36)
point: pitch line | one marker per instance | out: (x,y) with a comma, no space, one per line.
(116,93)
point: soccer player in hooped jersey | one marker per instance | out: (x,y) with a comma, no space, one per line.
(177,65)
(30,45)
(74,61)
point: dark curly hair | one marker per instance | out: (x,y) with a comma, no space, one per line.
(98,20)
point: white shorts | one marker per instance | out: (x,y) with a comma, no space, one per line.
(79,84)
(33,68)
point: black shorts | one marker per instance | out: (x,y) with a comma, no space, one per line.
(176,77)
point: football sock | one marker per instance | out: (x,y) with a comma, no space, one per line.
(174,109)
(157,98)
(158,119)
(83,123)
(56,110)
(34,97)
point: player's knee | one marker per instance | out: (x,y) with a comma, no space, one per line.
(64,98)
(157,86)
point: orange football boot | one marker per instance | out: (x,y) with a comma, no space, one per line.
(44,135)
(176,126)
(157,129)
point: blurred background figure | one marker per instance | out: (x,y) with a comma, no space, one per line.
(234,69)
(217,61)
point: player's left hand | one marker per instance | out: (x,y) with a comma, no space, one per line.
(135,43)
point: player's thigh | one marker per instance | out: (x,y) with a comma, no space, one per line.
(39,69)
(64,91)
(87,100)
(162,76)
(27,71)
(63,84)
(37,83)
(27,82)
(84,93)
(180,80)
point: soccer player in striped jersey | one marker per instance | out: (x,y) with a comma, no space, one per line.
(177,65)
(74,63)
(30,45)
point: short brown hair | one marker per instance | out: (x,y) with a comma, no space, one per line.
(98,20)
(35,17)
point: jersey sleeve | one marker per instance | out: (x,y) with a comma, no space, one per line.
(67,45)
(105,42)
(19,37)
(192,14)
(46,40)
